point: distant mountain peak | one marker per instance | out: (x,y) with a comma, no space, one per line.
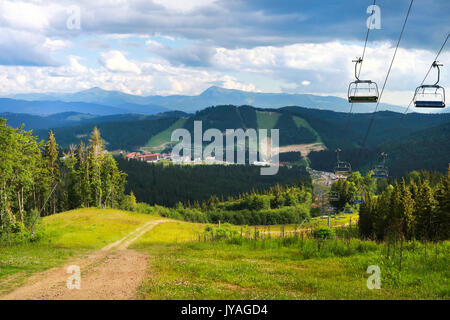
(94,90)
(215,90)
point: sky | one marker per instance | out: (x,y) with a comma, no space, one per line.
(165,47)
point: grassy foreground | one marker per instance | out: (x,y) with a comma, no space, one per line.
(184,264)
(62,236)
(287,268)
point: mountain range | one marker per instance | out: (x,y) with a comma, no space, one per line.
(49,107)
(96,99)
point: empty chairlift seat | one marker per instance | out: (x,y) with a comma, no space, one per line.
(358,198)
(380,172)
(363,91)
(430,96)
(343,168)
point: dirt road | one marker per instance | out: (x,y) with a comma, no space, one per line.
(111,273)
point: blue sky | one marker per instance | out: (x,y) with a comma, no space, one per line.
(184,46)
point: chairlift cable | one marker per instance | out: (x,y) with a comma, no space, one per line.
(423,81)
(387,76)
(429,70)
(360,67)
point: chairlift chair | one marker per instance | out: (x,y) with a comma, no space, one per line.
(358,198)
(381,171)
(362,91)
(430,96)
(342,168)
(333,196)
(359,195)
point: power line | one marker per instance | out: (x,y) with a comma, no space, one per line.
(387,76)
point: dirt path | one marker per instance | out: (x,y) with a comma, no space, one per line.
(111,273)
(304,149)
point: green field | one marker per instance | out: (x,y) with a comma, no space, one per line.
(186,264)
(267,120)
(303,123)
(271,269)
(160,140)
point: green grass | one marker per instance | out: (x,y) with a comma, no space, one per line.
(62,236)
(267,120)
(302,123)
(173,232)
(162,138)
(286,269)
(313,223)
(185,264)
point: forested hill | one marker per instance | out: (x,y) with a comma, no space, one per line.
(341,130)
(425,149)
(414,141)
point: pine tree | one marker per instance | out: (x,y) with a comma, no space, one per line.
(424,212)
(51,160)
(407,210)
(442,211)
(95,156)
(83,175)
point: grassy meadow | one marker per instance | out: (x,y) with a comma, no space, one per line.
(186,262)
(186,266)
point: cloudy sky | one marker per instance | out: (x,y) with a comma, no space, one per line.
(185,46)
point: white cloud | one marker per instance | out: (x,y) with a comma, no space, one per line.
(229,82)
(24,16)
(56,44)
(184,5)
(116,61)
(153,45)
(306,83)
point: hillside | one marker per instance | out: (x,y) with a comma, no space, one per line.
(298,126)
(424,149)
(128,135)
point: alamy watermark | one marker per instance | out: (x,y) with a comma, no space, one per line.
(73,22)
(374,21)
(262,150)
(74,281)
(374,281)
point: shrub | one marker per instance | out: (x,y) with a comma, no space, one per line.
(324,233)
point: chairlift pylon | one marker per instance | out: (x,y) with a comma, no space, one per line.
(362,91)
(430,95)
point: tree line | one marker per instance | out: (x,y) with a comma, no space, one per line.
(417,206)
(167,184)
(413,209)
(38,179)
(289,204)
